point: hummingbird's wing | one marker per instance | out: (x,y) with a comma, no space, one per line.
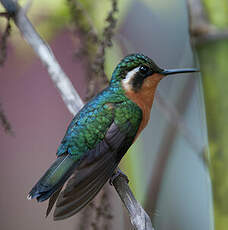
(95,141)
(96,168)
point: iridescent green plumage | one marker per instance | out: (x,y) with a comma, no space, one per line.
(90,125)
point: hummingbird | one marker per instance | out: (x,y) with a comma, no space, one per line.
(100,134)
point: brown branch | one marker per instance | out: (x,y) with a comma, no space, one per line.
(89,40)
(108,33)
(5,15)
(201,29)
(97,66)
(4,122)
(92,47)
(3,55)
(103,209)
(83,27)
(212,35)
(97,215)
(4,38)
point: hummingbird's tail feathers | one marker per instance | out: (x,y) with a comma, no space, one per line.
(84,186)
(54,178)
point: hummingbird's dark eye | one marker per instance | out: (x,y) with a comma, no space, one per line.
(143,69)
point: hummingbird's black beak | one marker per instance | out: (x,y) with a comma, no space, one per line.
(167,72)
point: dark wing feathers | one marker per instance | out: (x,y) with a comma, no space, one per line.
(81,193)
(112,141)
(52,200)
(96,168)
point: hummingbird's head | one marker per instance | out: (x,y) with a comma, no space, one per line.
(136,72)
(139,76)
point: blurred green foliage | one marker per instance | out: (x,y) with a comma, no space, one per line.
(217,12)
(213,63)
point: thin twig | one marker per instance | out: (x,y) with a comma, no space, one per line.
(201,29)
(3,55)
(4,122)
(5,15)
(139,218)
(3,42)
(212,35)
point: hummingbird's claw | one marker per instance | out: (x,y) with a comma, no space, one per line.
(116,174)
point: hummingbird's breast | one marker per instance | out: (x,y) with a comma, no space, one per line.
(144,98)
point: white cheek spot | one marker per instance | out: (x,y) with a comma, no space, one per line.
(126,82)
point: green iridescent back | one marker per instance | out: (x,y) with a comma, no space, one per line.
(90,125)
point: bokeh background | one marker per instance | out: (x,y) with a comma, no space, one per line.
(169,168)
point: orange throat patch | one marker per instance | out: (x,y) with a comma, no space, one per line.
(144,97)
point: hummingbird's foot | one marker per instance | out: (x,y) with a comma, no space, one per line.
(116,174)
